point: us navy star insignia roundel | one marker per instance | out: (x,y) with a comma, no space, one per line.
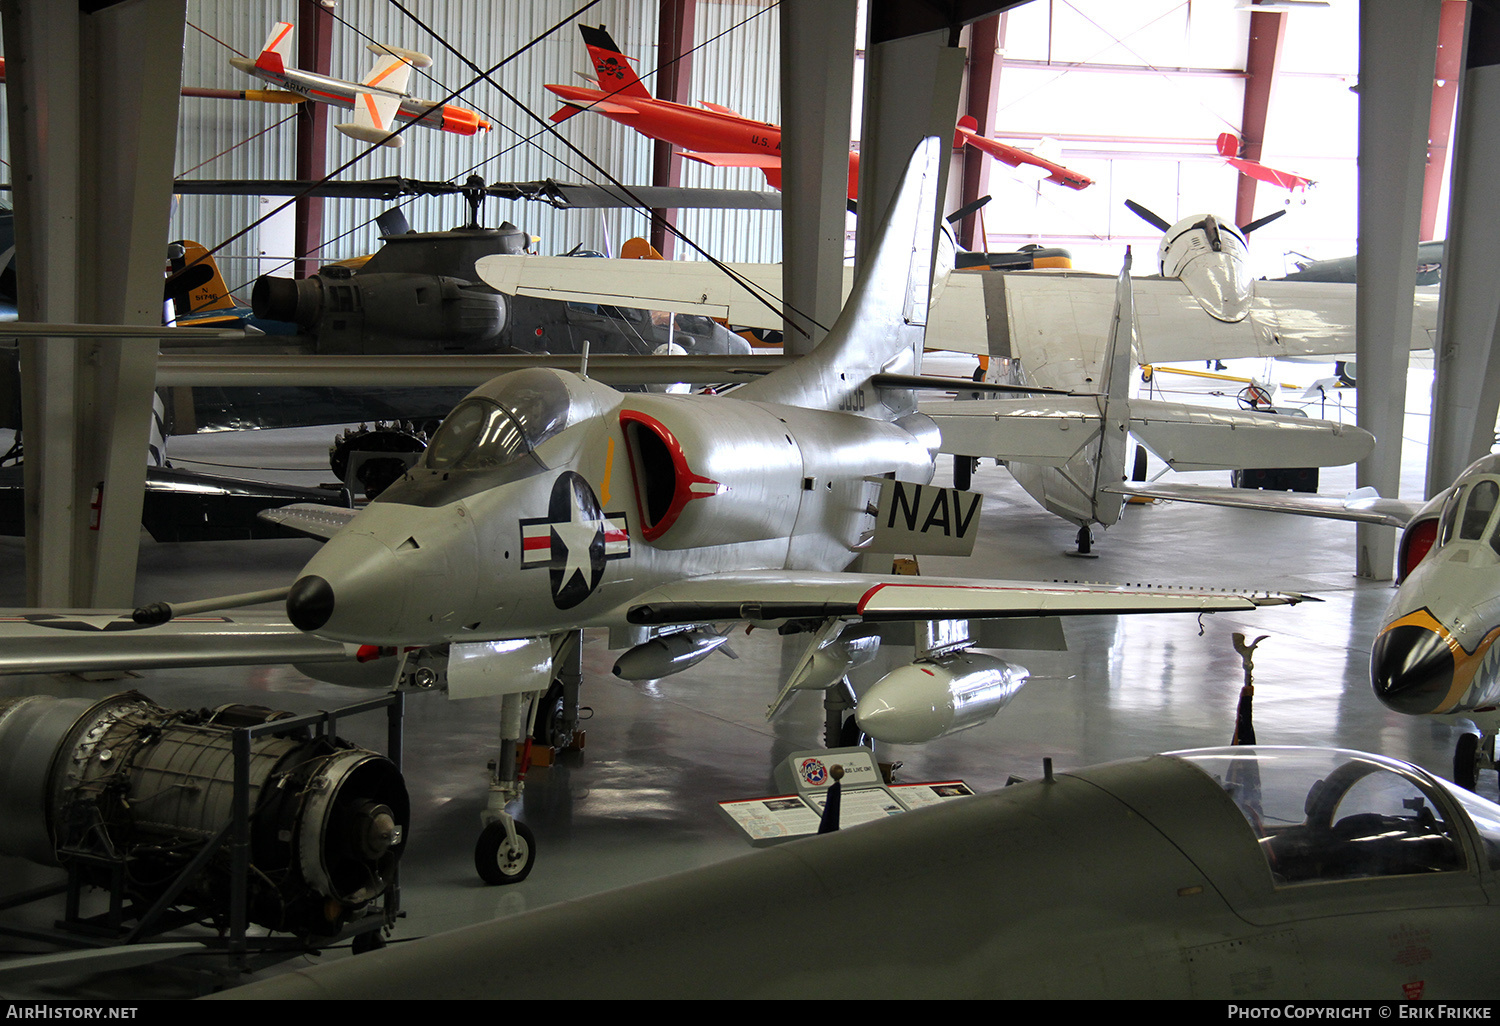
(574,540)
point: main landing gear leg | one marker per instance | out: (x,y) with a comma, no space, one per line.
(1473,753)
(837,701)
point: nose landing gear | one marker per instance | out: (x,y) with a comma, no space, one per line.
(506,851)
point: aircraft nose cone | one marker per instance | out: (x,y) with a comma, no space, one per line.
(1411,669)
(310,602)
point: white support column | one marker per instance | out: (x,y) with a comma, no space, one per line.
(817,83)
(93,154)
(1466,391)
(1397,57)
(42,83)
(912,87)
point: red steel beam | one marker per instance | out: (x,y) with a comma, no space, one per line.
(1267,29)
(1450,69)
(314,53)
(984,83)
(674,74)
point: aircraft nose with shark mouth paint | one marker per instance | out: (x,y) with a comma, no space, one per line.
(1436,653)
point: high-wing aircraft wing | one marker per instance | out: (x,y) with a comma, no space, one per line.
(1050,432)
(1052,321)
(778,594)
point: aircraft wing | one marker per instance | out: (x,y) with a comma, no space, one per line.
(34,641)
(1358,508)
(760,160)
(390,73)
(1052,430)
(769,595)
(321,522)
(957,319)
(685,286)
(1261,173)
(1055,323)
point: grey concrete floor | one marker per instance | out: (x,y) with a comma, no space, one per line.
(639,800)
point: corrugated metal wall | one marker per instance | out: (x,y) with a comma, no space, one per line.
(738,66)
(737,63)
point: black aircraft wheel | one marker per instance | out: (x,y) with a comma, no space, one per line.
(1138,472)
(1466,762)
(370,940)
(497,862)
(850,736)
(552,731)
(963,472)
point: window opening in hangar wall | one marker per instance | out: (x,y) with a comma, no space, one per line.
(1136,96)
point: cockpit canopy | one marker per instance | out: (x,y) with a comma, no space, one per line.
(1469,512)
(1329,814)
(501,421)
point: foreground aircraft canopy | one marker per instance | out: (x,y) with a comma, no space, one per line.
(380,101)
(547,503)
(717,136)
(1222,873)
(1435,652)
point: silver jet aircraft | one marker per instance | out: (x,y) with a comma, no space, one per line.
(1054,329)
(548,503)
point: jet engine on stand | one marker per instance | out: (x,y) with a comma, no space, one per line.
(138,799)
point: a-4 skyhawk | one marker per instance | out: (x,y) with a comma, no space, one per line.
(547,503)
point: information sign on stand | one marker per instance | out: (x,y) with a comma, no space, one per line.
(808,776)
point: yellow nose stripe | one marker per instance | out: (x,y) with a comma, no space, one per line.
(1465,663)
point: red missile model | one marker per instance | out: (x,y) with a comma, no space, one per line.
(712,134)
(965,134)
(716,135)
(1229,149)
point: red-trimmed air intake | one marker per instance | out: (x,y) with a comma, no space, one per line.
(664,483)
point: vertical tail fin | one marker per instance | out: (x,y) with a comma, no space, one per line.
(276,55)
(194,284)
(884,320)
(610,65)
